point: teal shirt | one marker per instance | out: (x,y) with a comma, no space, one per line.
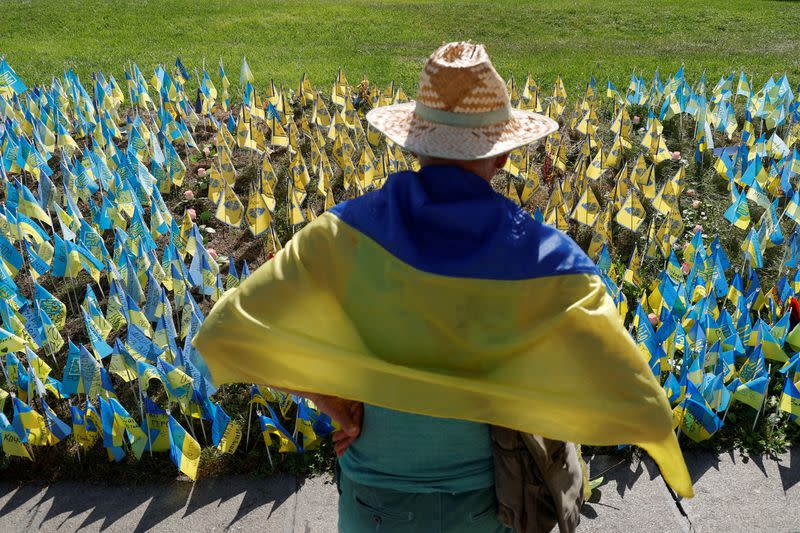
(415,453)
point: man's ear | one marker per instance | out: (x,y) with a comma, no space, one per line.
(500,161)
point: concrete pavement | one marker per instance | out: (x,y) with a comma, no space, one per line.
(732,494)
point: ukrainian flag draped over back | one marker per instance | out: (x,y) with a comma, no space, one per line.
(437,296)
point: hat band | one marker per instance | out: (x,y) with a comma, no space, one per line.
(463,120)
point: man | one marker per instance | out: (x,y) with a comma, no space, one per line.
(444,308)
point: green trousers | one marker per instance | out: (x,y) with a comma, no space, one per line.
(363,509)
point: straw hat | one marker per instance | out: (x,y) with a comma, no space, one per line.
(462,110)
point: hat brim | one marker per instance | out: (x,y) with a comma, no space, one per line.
(400,124)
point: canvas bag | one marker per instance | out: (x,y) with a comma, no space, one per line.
(538,481)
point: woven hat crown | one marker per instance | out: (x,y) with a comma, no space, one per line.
(459,78)
(462,110)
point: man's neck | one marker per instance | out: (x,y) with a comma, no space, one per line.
(480,167)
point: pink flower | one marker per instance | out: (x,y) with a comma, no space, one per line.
(653,319)
(685,268)
(192,214)
(696,204)
(636,119)
(691,192)
(188,194)
(676,156)
(201,172)
(698,228)
(212,252)
(206,150)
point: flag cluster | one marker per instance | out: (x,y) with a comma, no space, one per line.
(83,181)
(89,232)
(710,331)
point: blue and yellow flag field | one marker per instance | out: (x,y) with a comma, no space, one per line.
(131,203)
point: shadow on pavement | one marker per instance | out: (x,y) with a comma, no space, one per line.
(156,503)
(618,474)
(274,490)
(790,473)
(700,463)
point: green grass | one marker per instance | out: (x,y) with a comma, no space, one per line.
(390,39)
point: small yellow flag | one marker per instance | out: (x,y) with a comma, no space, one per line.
(257,214)
(587,208)
(631,214)
(12,445)
(230,208)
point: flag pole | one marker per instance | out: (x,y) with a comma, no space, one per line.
(249,418)
(80,373)
(137,397)
(203,429)
(269,455)
(72,284)
(130,93)
(730,402)
(764,399)
(169,414)
(69,294)
(3,367)
(683,414)
(146,420)
(41,405)
(46,340)
(78,449)
(191,428)
(102,292)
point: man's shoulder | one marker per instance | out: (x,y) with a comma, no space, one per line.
(369,203)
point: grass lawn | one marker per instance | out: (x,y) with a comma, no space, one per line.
(389,39)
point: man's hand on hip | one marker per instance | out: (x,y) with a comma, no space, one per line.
(347,413)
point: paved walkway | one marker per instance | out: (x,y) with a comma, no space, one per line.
(732,494)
